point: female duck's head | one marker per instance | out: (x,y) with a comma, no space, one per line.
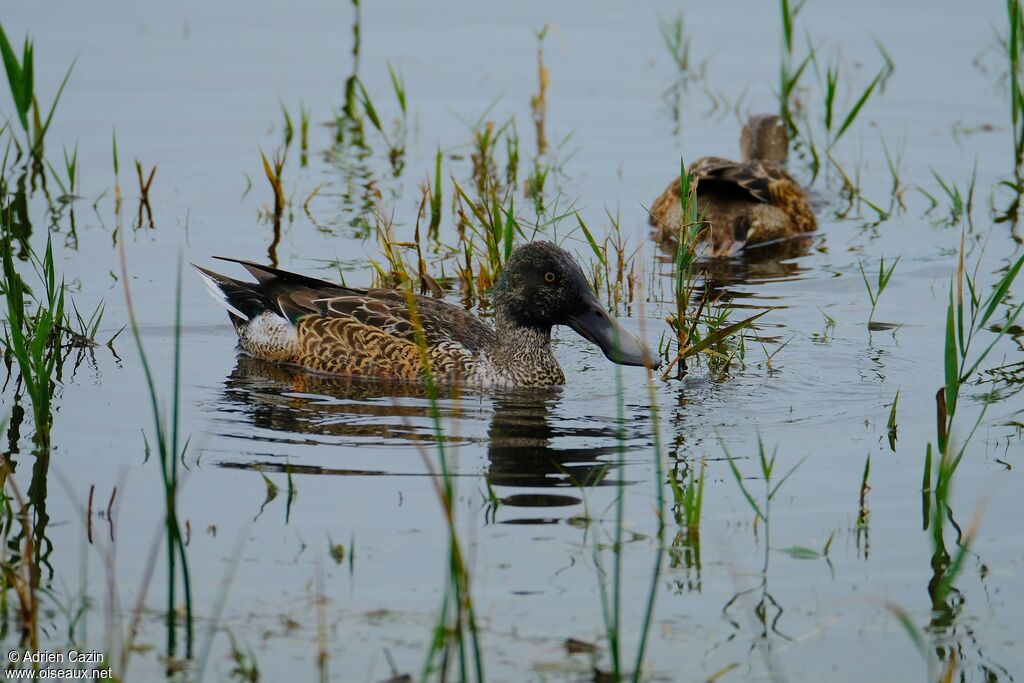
(542,286)
(765,138)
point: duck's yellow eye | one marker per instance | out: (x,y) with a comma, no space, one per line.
(549,277)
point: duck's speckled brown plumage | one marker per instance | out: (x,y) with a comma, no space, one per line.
(391,334)
(742,202)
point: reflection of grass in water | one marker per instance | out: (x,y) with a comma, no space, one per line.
(688,503)
(611,595)
(762,509)
(168,450)
(456,622)
(145,182)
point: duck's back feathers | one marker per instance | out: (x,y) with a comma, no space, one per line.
(753,178)
(744,202)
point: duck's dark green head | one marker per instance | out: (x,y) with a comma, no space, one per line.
(542,286)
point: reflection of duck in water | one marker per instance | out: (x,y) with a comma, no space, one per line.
(377,333)
(745,202)
(525,450)
(765,262)
(291,401)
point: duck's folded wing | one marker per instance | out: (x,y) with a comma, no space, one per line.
(762,181)
(390,311)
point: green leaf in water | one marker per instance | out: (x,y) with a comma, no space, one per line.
(799,552)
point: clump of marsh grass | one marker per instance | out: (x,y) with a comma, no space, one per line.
(834,132)
(496,226)
(21,80)
(614,273)
(790,71)
(968,314)
(677,41)
(33,340)
(959,204)
(71,171)
(831,122)
(875,292)
(396,139)
(20,569)
(689,339)
(834,125)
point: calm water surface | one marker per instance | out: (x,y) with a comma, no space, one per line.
(197,90)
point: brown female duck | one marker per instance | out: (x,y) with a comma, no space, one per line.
(746,202)
(392,334)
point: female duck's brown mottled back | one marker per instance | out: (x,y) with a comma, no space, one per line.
(392,334)
(743,202)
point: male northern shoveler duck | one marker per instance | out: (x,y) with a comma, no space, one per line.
(744,202)
(290,318)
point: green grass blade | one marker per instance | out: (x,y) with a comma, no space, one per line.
(719,335)
(788,474)
(371,112)
(787,26)
(590,239)
(952,376)
(848,121)
(399,87)
(15,79)
(999,293)
(891,424)
(739,480)
(41,132)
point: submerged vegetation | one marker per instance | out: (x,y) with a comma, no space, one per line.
(440,215)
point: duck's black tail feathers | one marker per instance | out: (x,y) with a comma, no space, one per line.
(244,301)
(286,294)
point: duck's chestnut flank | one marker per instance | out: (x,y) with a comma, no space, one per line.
(291,318)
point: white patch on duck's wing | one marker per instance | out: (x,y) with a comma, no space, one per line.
(219,296)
